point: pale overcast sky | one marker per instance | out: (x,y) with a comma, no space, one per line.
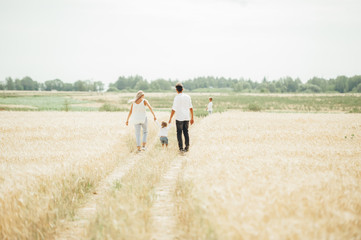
(179,39)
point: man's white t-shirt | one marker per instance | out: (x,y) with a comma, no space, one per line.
(181,105)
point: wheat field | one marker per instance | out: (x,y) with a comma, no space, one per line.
(272,176)
(246,176)
(49,162)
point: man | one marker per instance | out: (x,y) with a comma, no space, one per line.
(182,107)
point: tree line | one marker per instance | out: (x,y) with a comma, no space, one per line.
(28,84)
(341,84)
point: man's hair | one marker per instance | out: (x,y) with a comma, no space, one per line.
(179,87)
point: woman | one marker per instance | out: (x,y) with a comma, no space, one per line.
(139,118)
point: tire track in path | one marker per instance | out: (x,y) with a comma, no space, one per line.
(163,213)
(77,228)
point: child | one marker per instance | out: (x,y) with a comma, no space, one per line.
(210,106)
(163,133)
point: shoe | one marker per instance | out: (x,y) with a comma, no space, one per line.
(143,148)
(186,149)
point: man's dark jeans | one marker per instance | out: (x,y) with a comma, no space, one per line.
(182,126)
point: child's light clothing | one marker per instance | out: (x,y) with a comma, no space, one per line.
(209,107)
(163,133)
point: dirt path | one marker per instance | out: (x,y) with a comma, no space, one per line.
(162,213)
(77,229)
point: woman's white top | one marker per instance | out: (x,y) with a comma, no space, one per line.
(163,131)
(138,113)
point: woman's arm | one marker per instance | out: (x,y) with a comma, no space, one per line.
(130,113)
(150,108)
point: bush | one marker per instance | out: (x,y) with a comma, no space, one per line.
(358,88)
(113,89)
(109,108)
(264,90)
(66,105)
(254,107)
(310,88)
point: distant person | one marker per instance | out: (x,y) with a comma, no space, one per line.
(210,106)
(163,133)
(139,118)
(182,107)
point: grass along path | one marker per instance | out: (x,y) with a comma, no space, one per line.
(125,211)
(131,206)
(78,227)
(162,213)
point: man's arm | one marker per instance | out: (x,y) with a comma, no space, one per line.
(192,119)
(171,115)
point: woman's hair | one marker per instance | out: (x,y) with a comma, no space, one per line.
(137,96)
(164,124)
